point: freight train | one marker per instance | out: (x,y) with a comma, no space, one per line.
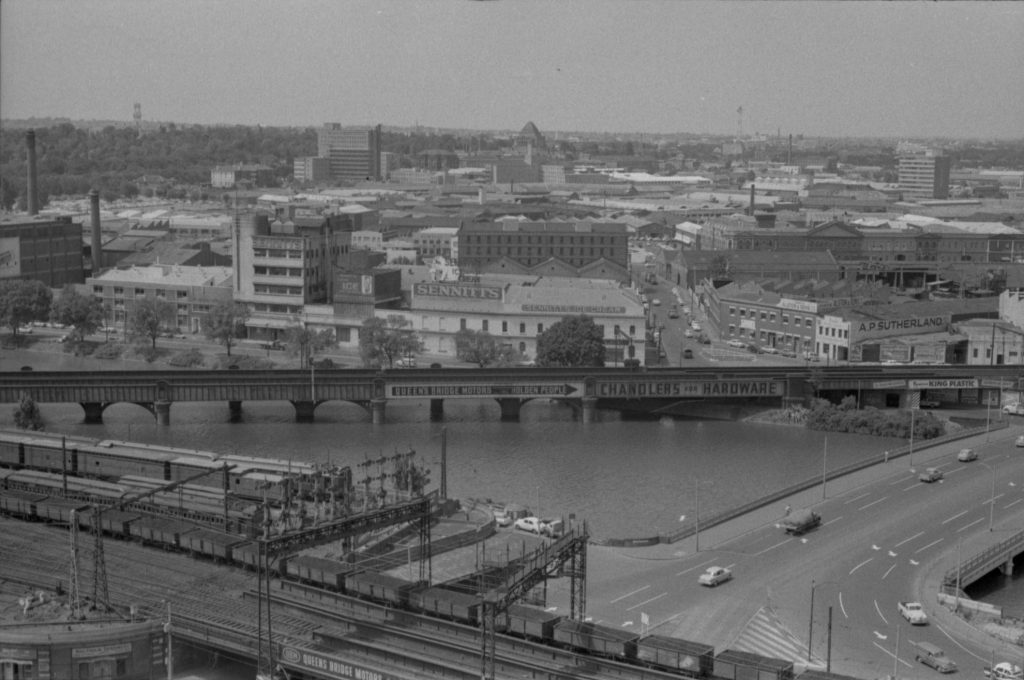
(335,578)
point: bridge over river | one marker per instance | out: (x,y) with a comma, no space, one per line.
(652,390)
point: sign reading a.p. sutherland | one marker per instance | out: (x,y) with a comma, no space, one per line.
(880,328)
(690,388)
(457,290)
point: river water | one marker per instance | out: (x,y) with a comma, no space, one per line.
(627,478)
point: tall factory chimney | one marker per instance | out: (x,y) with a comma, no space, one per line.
(751,199)
(97,246)
(33,196)
(789,151)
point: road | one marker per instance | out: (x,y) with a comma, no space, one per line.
(873,549)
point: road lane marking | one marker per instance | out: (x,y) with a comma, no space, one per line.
(864,507)
(925,547)
(968,526)
(638,590)
(891,654)
(861,565)
(842,608)
(908,540)
(880,614)
(832,521)
(1010,505)
(912,486)
(997,497)
(901,480)
(956,516)
(696,566)
(773,547)
(888,570)
(641,604)
(857,498)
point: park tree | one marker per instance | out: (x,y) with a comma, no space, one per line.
(225,323)
(27,415)
(149,317)
(23,301)
(381,341)
(305,342)
(573,341)
(81,311)
(481,348)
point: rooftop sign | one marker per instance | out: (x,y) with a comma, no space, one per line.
(943,384)
(880,328)
(457,290)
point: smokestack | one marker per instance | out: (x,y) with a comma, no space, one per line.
(33,197)
(789,152)
(97,247)
(751,199)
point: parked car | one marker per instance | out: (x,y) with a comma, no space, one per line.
(930,475)
(673,313)
(704,340)
(736,343)
(714,576)
(656,302)
(687,353)
(930,403)
(811,356)
(502,518)
(688,333)
(25,330)
(967,455)
(930,655)
(695,326)
(1020,441)
(530,524)
(552,526)
(1004,671)
(768,349)
(1015,408)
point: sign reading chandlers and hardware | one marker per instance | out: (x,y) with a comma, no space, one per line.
(689,389)
(482,390)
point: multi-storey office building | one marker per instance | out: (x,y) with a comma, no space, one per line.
(47,249)
(353,151)
(924,175)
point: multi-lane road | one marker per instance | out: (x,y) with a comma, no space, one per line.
(876,544)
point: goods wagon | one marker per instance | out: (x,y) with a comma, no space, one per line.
(163,532)
(447,604)
(695,658)
(108,461)
(736,665)
(814,674)
(58,509)
(318,571)
(40,453)
(213,544)
(530,622)
(114,522)
(595,639)
(20,504)
(380,587)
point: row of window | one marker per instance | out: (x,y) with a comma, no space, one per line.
(485,326)
(141,292)
(277,252)
(808,321)
(278,271)
(538,252)
(504,239)
(832,332)
(266,289)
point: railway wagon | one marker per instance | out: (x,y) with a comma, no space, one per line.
(259,485)
(37,452)
(733,664)
(531,622)
(51,509)
(163,532)
(212,544)
(694,658)
(380,587)
(56,483)
(595,639)
(318,571)
(815,674)
(19,503)
(108,460)
(114,522)
(447,604)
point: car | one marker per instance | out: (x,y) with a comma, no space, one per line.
(714,576)
(913,612)
(688,333)
(406,362)
(930,655)
(788,353)
(686,310)
(502,518)
(687,353)
(967,455)
(704,340)
(1020,441)
(930,403)
(768,349)
(530,524)
(930,475)
(552,526)
(1014,408)
(695,326)
(811,356)
(25,330)
(673,313)
(1004,671)
(736,343)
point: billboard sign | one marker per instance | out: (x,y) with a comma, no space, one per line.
(943,384)
(10,257)
(909,325)
(457,290)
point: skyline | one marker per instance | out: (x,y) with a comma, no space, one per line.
(910,70)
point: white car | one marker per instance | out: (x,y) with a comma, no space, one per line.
(714,576)
(25,330)
(530,524)
(736,343)
(1004,671)
(656,302)
(695,326)
(502,518)
(688,333)
(1020,441)
(1015,409)
(913,612)
(967,455)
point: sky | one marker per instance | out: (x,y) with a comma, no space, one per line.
(861,69)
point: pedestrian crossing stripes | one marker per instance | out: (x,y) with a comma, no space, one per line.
(764,634)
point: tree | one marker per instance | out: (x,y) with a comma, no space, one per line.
(27,415)
(306,342)
(23,301)
(381,341)
(82,312)
(481,348)
(573,341)
(225,323)
(149,317)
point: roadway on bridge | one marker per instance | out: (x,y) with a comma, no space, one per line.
(876,544)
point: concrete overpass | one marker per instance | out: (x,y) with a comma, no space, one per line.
(586,389)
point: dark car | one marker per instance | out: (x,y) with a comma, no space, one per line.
(687,353)
(930,403)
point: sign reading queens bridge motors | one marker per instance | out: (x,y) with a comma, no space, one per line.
(688,389)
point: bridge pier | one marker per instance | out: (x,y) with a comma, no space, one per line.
(510,409)
(304,411)
(163,412)
(589,409)
(93,412)
(235,411)
(377,413)
(437,409)
(1006,568)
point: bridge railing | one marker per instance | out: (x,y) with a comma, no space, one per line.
(706,522)
(1000,549)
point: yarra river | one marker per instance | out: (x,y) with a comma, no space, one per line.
(627,478)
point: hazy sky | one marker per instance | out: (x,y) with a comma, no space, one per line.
(818,68)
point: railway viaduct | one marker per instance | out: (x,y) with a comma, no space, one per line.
(586,389)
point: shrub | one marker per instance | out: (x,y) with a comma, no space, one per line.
(846,417)
(191,358)
(109,350)
(244,362)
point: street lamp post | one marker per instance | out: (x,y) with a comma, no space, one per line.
(824,468)
(911,458)
(992,496)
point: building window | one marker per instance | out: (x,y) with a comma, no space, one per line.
(632,330)
(504,326)
(522,329)
(764,315)
(462,324)
(540,328)
(97,290)
(484,325)
(785,319)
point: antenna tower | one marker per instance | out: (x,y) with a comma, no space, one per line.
(739,123)
(137,115)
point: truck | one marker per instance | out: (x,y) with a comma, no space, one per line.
(913,612)
(800,521)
